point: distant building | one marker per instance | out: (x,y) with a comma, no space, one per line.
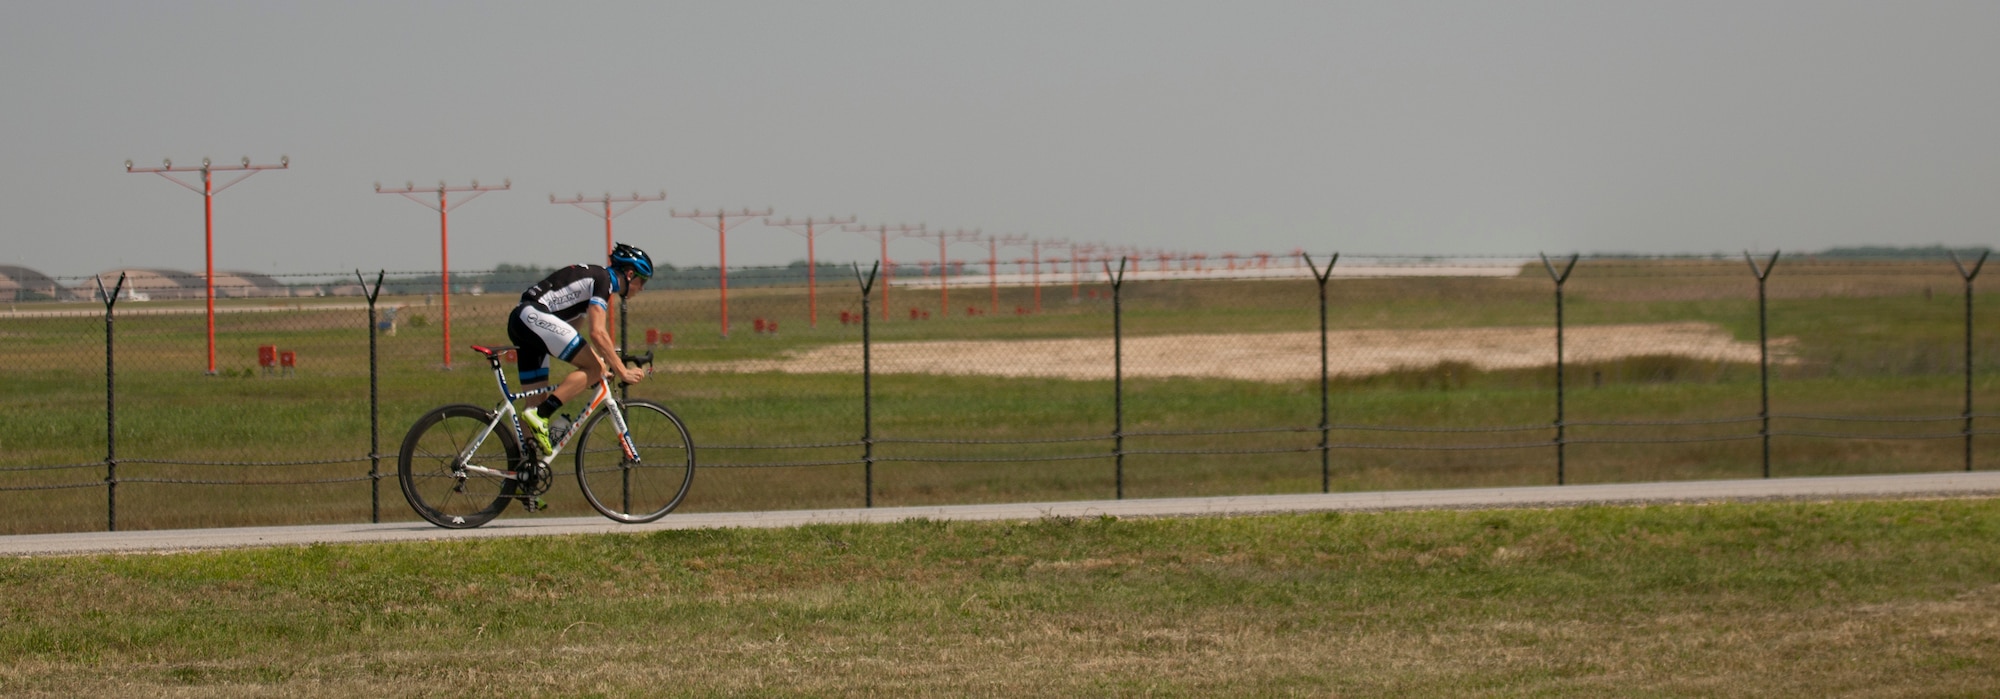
(248,284)
(173,284)
(144,284)
(23,284)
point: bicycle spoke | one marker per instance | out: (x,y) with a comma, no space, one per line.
(641,491)
(436,484)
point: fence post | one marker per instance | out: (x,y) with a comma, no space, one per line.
(374,402)
(624,347)
(110,408)
(1562,474)
(1325,416)
(1968,275)
(1763,354)
(1118,370)
(867,390)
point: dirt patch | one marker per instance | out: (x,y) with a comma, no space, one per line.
(1275,357)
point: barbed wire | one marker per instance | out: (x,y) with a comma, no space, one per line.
(191,481)
(63,486)
(1055,440)
(1441,447)
(745,447)
(964,460)
(1218,452)
(1207,433)
(1442,430)
(1864,418)
(58,467)
(1662,423)
(175,462)
(1827,435)
(785,464)
(1662,440)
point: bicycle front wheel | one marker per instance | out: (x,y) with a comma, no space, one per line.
(639,490)
(436,483)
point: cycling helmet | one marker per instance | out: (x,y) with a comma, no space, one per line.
(632,257)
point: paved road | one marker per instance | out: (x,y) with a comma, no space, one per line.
(516,524)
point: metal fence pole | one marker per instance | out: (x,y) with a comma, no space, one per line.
(1763,354)
(110,407)
(374,402)
(1968,275)
(624,347)
(1562,474)
(1118,371)
(1325,415)
(867,390)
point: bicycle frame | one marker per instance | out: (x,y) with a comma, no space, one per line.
(506,411)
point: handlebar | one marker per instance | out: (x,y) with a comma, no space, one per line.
(638,360)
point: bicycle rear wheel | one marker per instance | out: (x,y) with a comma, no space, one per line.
(438,489)
(642,490)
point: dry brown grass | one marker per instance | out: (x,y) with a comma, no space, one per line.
(1271,357)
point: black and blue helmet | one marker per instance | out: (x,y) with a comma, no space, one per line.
(632,257)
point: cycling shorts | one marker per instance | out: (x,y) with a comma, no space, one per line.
(537,334)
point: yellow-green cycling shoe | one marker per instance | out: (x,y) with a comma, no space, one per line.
(538,427)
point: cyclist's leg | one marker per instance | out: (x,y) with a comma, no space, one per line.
(537,335)
(588,367)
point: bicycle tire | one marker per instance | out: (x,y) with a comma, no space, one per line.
(430,451)
(614,485)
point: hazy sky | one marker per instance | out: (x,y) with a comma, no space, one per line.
(1468,127)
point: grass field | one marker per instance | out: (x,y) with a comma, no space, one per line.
(1881,341)
(1880,599)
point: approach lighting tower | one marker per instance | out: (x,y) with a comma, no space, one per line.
(1036,246)
(882,235)
(607,212)
(812,259)
(208,190)
(946,238)
(993,243)
(444,206)
(1079,258)
(603,207)
(721,226)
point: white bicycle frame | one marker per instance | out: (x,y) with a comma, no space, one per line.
(506,411)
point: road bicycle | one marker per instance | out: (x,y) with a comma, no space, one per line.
(462,464)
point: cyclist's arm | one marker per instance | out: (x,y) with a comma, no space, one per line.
(600,343)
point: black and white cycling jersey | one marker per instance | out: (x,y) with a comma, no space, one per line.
(540,328)
(570,291)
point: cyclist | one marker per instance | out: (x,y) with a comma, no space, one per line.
(543,325)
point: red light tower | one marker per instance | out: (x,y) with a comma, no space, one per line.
(603,209)
(607,213)
(944,269)
(444,207)
(1079,253)
(993,243)
(721,227)
(882,234)
(1036,246)
(208,190)
(812,259)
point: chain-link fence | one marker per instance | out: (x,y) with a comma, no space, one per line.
(1058,379)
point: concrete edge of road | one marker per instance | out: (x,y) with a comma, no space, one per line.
(1956,484)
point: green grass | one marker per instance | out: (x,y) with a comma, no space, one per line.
(1887,343)
(1793,599)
